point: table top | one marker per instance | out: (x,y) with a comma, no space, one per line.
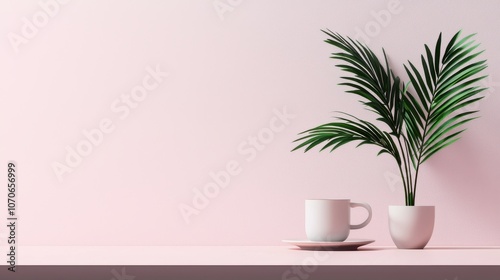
(255,255)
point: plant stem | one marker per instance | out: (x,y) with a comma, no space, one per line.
(404,184)
(420,151)
(406,163)
(415,185)
(409,166)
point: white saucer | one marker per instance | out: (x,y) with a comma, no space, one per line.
(347,245)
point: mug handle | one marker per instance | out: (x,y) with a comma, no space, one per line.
(368,208)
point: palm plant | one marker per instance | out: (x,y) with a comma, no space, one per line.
(417,121)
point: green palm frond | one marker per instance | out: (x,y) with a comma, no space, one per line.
(348,129)
(420,122)
(438,111)
(374,83)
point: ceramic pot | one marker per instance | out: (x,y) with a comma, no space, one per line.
(411,226)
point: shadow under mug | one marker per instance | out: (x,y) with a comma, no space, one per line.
(329,220)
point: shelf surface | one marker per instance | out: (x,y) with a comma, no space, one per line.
(255,256)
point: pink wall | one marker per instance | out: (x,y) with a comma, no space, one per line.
(180,90)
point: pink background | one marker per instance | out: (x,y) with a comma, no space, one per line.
(229,72)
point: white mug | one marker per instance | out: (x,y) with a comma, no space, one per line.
(330,219)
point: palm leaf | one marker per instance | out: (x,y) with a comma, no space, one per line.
(347,129)
(421,122)
(372,81)
(443,88)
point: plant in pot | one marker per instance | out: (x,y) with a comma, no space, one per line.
(413,122)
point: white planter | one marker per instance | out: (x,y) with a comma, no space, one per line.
(411,226)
